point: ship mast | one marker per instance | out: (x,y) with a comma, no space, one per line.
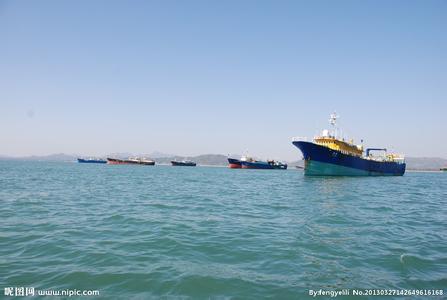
(333,121)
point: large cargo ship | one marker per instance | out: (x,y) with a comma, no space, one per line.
(130,161)
(183,163)
(329,155)
(92,160)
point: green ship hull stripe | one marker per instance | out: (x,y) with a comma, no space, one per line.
(316,168)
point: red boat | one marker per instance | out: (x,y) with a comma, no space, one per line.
(234,163)
(130,161)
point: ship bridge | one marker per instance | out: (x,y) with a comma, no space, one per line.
(331,141)
(339,145)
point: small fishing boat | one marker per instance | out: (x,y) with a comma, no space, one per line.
(130,161)
(183,163)
(234,163)
(92,160)
(258,164)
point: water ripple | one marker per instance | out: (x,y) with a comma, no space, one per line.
(136,232)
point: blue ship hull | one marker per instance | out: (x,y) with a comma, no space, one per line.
(262,165)
(92,161)
(322,161)
(183,163)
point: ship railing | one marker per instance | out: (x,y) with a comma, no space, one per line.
(299,139)
(398,158)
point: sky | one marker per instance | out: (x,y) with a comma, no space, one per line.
(197,77)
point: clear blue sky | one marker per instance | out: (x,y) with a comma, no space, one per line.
(194,77)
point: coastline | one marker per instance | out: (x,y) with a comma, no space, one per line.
(292,164)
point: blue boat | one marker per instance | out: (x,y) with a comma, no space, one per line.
(92,161)
(329,155)
(183,163)
(257,164)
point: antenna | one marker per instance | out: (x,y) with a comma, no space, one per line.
(333,122)
(333,119)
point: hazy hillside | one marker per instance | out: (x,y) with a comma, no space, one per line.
(206,159)
(52,157)
(425,163)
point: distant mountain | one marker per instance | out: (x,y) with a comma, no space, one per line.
(425,163)
(119,155)
(157,154)
(206,159)
(212,159)
(294,164)
(51,157)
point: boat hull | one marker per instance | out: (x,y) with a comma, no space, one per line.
(234,163)
(183,164)
(322,161)
(116,161)
(262,165)
(91,161)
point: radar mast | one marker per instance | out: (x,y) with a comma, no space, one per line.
(333,121)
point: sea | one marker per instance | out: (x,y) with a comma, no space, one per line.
(163,232)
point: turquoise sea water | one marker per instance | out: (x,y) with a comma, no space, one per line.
(204,232)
